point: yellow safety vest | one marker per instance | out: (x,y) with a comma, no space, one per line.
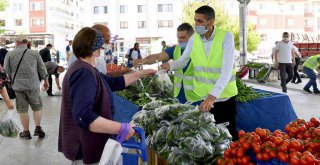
(207,70)
(185,78)
(312,62)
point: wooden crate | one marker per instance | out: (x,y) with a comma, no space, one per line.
(153,158)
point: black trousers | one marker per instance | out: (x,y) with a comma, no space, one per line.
(226,112)
(285,69)
(295,71)
(49,91)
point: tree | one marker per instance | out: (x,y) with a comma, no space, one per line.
(3,5)
(223,21)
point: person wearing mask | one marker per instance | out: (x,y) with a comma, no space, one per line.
(25,67)
(101,63)
(69,50)
(296,75)
(311,64)
(132,54)
(45,53)
(164,45)
(53,69)
(182,78)
(87,104)
(211,51)
(284,60)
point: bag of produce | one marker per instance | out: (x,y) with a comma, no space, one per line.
(160,86)
(152,105)
(177,157)
(8,125)
(136,88)
(196,147)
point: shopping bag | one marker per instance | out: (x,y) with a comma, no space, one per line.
(111,154)
(8,125)
(160,85)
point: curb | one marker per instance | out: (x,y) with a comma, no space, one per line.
(271,85)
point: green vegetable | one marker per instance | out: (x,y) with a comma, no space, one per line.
(255,65)
(262,73)
(8,125)
(160,86)
(246,93)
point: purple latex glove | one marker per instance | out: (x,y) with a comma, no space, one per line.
(124,131)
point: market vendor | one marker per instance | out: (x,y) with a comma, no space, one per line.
(312,63)
(211,52)
(86,109)
(182,78)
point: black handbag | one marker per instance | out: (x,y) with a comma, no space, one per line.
(10,91)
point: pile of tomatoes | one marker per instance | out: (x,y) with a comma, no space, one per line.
(114,70)
(300,145)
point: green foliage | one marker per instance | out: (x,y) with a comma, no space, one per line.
(3,4)
(223,21)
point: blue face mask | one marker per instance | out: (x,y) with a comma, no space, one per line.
(183,44)
(201,29)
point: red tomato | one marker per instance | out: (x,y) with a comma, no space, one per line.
(277,132)
(287,128)
(283,157)
(282,148)
(241,133)
(294,130)
(278,141)
(306,135)
(227,153)
(259,156)
(266,156)
(233,152)
(233,145)
(295,144)
(273,154)
(310,159)
(246,146)
(303,161)
(245,160)
(294,160)
(240,153)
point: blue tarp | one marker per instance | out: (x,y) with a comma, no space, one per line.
(273,112)
(123,109)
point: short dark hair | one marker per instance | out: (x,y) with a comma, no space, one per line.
(285,33)
(24,41)
(186,27)
(49,45)
(206,10)
(83,42)
(136,43)
(163,41)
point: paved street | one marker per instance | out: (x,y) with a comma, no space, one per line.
(15,151)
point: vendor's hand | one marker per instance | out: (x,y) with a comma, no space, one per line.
(207,104)
(147,72)
(165,66)
(10,104)
(137,62)
(130,134)
(276,65)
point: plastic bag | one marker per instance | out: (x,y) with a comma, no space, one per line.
(152,105)
(171,112)
(8,125)
(196,147)
(164,151)
(160,86)
(136,88)
(177,157)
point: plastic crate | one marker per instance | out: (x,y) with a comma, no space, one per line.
(140,146)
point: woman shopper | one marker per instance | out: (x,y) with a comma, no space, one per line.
(86,110)
(4,80)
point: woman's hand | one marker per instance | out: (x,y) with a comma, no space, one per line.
(147,72)
(10,104)
(130,134)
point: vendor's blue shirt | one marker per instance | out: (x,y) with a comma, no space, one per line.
(83,91)
(181,96)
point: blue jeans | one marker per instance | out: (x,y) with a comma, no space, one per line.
(313,79)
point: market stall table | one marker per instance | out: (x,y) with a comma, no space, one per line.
(273,112)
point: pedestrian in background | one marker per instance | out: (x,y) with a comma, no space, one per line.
(25,66)
(297,58)
(133,54)
(312,63)
(69,50)
(45,53)
(284,60)
(53,69)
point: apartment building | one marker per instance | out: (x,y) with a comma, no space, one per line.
(44,21)
(147,22)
